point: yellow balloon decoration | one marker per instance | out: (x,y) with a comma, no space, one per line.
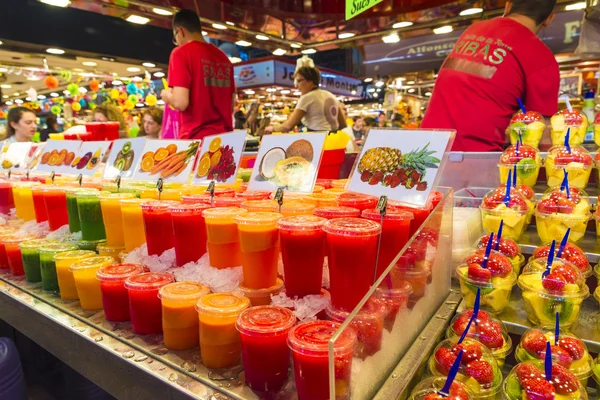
(151,100)
(114,94)
(130,105)
(76,106)
(123,96)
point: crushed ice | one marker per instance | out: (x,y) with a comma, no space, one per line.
(218,280)
(63,234)
(305,308)
(33,228)
(154,263)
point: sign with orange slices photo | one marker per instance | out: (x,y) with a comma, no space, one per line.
(171,160)
(219,158)
(58,156)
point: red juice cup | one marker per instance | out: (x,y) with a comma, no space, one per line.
(13,253)
(158,226)
(357,200)
(55,199)
(39,205)
(227,201)
(254,195)
(265,354)
(394,298)
(336,212)
(309,343)
(420,215)
(436,198)
(223,192)
(326,183)
(6,197)
(115,297)
(196,199)
(262,297)
(3,256)
(394,234)
(144,305)
(189,232)
(352,249)
(303,252)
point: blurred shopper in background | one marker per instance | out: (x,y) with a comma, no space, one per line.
(152,123)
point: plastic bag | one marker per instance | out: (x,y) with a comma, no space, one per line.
(170,126)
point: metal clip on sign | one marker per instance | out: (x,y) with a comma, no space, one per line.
(8,174)
(80,179)
(52,176)
(211,190)
(159,186)
(118,182)
(279,197)
(382,208)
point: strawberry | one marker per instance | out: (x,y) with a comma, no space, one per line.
(458,392)
(534,342)
(481,371)
(490,334)
(493,200)
(421,186)
(376,178)
(460,325)
(472,352)
(527,372)
(554,282)
(539,389)
(559,356)
(525,191)
(479,274)
(510,155)
(433,396)
(547,206)
(567,272)
(394,182)
(564,381)
(573,346)
(507,247)
(444,359)
(580,261)
(575,194)
(565,206)
(498,264)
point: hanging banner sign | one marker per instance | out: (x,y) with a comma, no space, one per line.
(356,7)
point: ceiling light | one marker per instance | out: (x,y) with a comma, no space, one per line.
(0,41)
(393,38)
(139,105)
(9,103)
(471,11)
(443,29)
(371,90)
(428,94)
(379,83)
(375,94)
(5,86)
(54,94)
(285,92)
(133,69)
(576,6)
(410,82)
(243,43)
(346,35)
(249,92)
(148,65)
(411,90)
(41,97)
(137,19)
(403,24)
(159,74)
(66,92)
(229,23)
(204,33)
(19,101)
(353,92)
(219,26)
(33,78)
(27,98)
(3,69)
(161,11)
(57,3)
(82,90)
(89,63)
(55,51)
(262,37)
(160,102)
(309,51)
(271,90)
(117,82)
(17,94)
(297,93)
(279,52)
(5,96)
(296,45)
(367,80)
(235,60)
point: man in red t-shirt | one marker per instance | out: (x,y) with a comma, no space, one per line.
(201,81)
(493,64)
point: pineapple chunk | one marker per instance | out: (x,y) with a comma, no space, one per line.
(582,208)
(553,180)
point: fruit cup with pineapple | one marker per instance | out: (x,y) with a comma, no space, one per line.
(597,290)
(597,130)
(576,160)
(565,120)
(527,161)
(504,205)
(432,389)
(568,251)
(506,247)
(529,126)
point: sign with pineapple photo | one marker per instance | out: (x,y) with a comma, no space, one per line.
(402,164)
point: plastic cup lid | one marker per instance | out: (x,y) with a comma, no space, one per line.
(356,198)
(352,227)
(334,192)
(301,223)
(253,293)
(105,248)
(118,272)
(51,188)
(189,208)
(254,195)
(396,205)
(297,207)
(337,212)
(227,201)
(148,281)
(34,244)
(223,213)
(118,196)
(16,239)
(134,202)
(88,194)
(75,190)
(265,320)
(373,310)
(222,304)
(314,336)
(74,255)
(57,248)
(392,215)
(183,291)
(400,289)
(261,205)
(196,198)
(159,205)
(92,262)
(257,218)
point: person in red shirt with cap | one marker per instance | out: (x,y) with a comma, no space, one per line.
(201,81)
(493,64)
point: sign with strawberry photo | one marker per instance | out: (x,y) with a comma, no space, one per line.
(220,157)
(404,165)
(171,160)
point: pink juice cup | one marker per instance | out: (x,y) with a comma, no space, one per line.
(158,226)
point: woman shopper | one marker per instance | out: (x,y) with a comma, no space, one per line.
(20,125)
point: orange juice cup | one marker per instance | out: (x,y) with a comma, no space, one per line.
(179,317)
(261,205)
(262,297)
(222,236)
(134,234)
(227,201)
(259,247)
(220,343)
(13,252)
(111,215)
(23,198)
(63,262)
(333,192)
(289,209)
(255,195)
(86,282)
(321,200)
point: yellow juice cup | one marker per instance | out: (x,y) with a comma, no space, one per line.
(104,249)
(260,205)
(111,215)
(23,199)
(133,223)
(167,194)
(179,316)
(86,282)
(66,282)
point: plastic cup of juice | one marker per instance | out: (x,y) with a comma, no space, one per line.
(262,297)
(86,282)
(254,195)
(227,202)
(6,197)
(292,208)
(13,253)
(55,200)
(63,262)
(220,343)
(111,215)
(419,215)
(331,212)
(115,297)
(395,229)
(39,205)
(265,354)
(309,343)
(158,226)
(222,236)
(90,216)
(189,232)
(357,200)
(133,223)
(339,183)
(261,205)
(352,249)
(179,316)
(321,200)
(31,259)
(23,198)
(104,249)
(394,298)
(303,252)
(90,245)
(196,199)
(144,305)
(48,266)
(259,248)
(72,210)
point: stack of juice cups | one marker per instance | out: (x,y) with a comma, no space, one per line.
(179,317)
(86,282)
(115,298)
(262,297)
(433,385)
(260,205)
(6,197)
(47,264)
(112,217)
(104,249)
(220,344)
(309,343)
(420,214)
(352,249)
(55,200)
(39,206)
(23,199)
(189,231)
(31,259)
(357,200)
(291,208)
(13,253)
(133,223)
(303,253)
(90,216)
(222,236)
(66,282)
(332,212)
(395,297)
(145,308)
(158,226)
(265,354)
(72,210)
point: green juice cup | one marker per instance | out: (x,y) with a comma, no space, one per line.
(90,216)
(31,259)
(48,266)
(72,210)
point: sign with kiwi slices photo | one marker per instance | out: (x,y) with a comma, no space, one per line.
(219,158)
(124,158)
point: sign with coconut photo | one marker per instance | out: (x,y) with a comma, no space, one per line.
(220,157)
(402,164)
(288,161)
(124,158)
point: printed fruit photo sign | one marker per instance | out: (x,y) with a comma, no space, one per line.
(15,156)
(288,161)
(219,158)
(404,165)
(89,158)
(61,157)
(124,157)
(171,160)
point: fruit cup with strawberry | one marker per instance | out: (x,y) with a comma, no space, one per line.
(525,159)
(565,120)
(506,247)
(596,217)
(529,126)
(570,252)
(430,388)
(507,206)
(576,160)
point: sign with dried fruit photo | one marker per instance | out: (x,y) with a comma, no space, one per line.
(15,156)
(124,158)
(288,161)
(402,164)
(61,157)
(171,160)
(88,159)
(219,158)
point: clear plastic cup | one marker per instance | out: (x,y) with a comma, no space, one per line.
(13,252)
(434,384)
(222,236)
(357,200)
(541,303)
(571,253)
(55,202)
(291,208)
(331,212)
(262,297)
(66,282)
(259,248)
(23,199)
(260,206)
(265,354)
(111,215)
(133,223)
(6,197)
(179,316)
(90,244)
(196,199)
(39,205)
(189,230)
(334,192)
(420,214)
(31,258)
(508,248)
(158,226)
(309,342)
(145,307)
(220,343)
(104,249)
(90,216)
(115,297)
(565,119)
(530,126)
(555,214)
(577,162)
(86,282)
(395,298)
(72,209)
(254,195)
(48,266)
(514,214)
(322,199)
(527,161)
(227,202)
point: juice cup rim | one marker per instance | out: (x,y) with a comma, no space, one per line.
(257,218)
(356,227)
(221,191)
(118,272)
(196,198)
(79,189)
(265,193)
(77,254)
(88,195)
(296,206)
(357,198)
(260,204)
(433,384)
(183,291)
(110,249)
(17,239)
(330,212)
(313,338)
(301,223)
(57,247)
(223,213)
(225,201)
(117,196)
(158,205)
(372,310)
(267,320)
(276,288)
(402,288)
(91,262)
(396,205)
(189,208)
(148,281)
(222,304)
(563,216)
(134,201)
(504,211)
(53,188)
(35,244)
(391,215)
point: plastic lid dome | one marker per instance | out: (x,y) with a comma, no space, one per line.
(514,154)
(526,118)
